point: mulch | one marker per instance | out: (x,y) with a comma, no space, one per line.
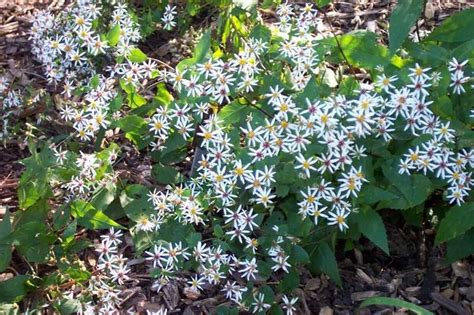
(414,271)
(10,171)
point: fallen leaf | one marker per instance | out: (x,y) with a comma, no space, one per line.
(326,310)
(5,276)
(461,269)
(312,284)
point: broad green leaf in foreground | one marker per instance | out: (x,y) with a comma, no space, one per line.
(134,201)
(371,225)
(90,217)
(234,112)
(411,190)
(323,259)
(460,247)
(203,46)
(361,49)
(403,17)
(113,35)
(13,290)
(165,174)
(137,55)
(457,221)
(5,246)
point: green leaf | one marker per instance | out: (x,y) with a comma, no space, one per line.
(5,226)
(132,123)
(322,3)
(464,51)
(290,281)
(297,226)
(460,247)
(218,231)
(105,197)
(5,246)
(136,55)
(299,255)
(361,49)
(127,87)
(286,175)
(238,25)
(411,190)
(371,225)
(234,112)
(323,259)
(32,240)
(403,17)
(456,28)
(68,306)
(203,47)
(192,7)
(371,194)
(163,96)
(192,239)
(467,140)
(262,33)
(430,53)
(5,256)
(185,64)
(113,35)
(33,182)
(95,81)
(135,100)
(77,274)
(165,174)
(379,300)
(134,201)
(443,107)
(13,290)
(458,220)
(90,217)
(173,231)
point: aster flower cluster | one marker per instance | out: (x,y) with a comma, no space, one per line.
(92,171)
(169,17)
(435,156)
(68,44)
(214,264)
(112,272)
(71,49)
(10,99)
(230,168)
(13,100)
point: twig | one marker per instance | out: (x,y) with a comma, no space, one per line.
(128,297)
(449,304)
(250,103)
(36,75)
(162,63)
(262,110)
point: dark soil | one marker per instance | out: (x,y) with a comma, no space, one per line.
(10,171)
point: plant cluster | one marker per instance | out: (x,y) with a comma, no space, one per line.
(261,163)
